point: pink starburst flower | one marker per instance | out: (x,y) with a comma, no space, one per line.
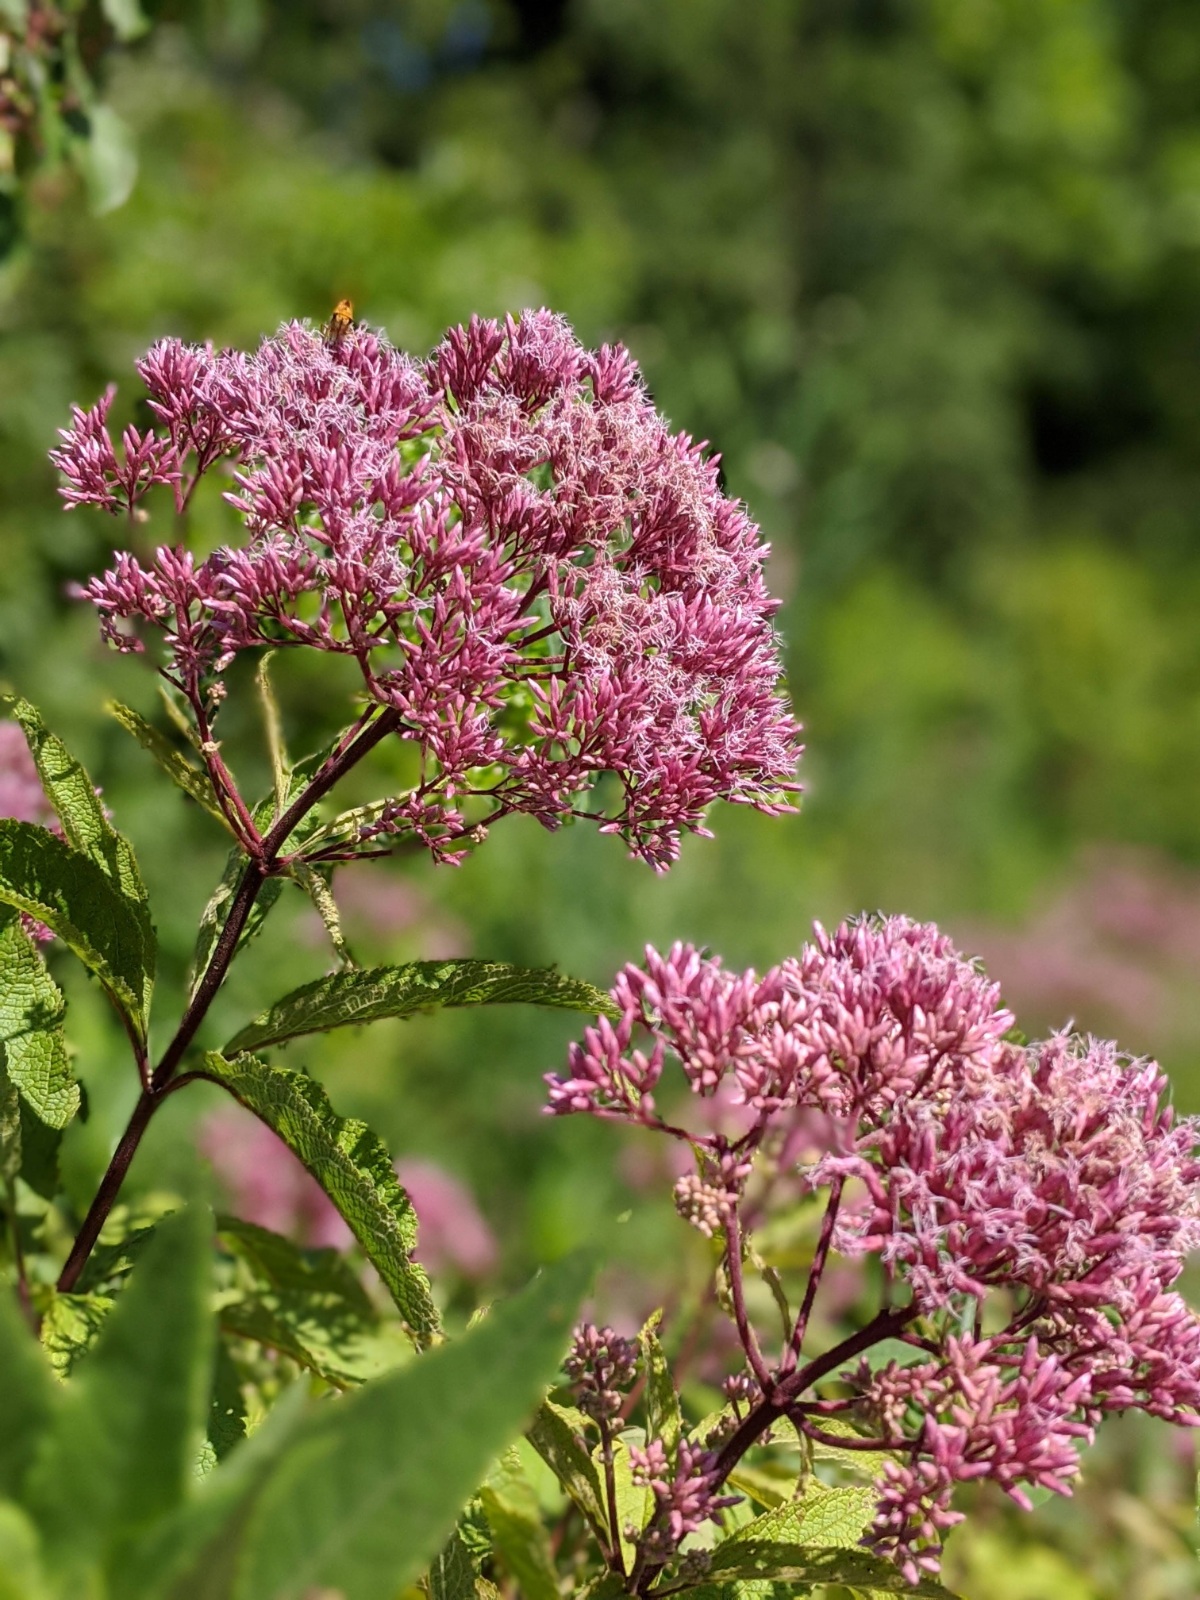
(1031,1206)
(540,579)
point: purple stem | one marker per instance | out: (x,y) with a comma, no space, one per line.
(257,871)
(820,1255)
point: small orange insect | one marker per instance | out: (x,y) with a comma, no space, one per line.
(340,322)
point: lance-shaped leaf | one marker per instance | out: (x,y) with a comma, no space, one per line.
(193,780)
(308,1305)
(31,1017)
(71,1325)
(664,1420)
(558,1437)
(121,1449)
(348,998)
(519,1536)
(806,1569)
(215,913)
(368,1494)
(73,795)
(822,1517)
(59,886)
(353,1167)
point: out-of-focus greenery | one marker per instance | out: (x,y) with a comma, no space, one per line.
(927,272)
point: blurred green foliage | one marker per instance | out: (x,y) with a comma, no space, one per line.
(927,272)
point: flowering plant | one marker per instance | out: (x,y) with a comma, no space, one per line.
(553,609)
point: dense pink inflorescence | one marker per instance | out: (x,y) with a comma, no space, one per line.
(1048,1182)
(530,568)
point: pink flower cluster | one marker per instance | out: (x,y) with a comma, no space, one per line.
(531,570)
(1047,1183)
(685,1496)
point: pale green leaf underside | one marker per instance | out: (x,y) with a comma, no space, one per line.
(348,998)
(31,1017)
(42,875)
(191,779)
(353,1167)
(663,1416)
(369,1495)
(558,1435)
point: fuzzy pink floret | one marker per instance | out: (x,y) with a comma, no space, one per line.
(526,563)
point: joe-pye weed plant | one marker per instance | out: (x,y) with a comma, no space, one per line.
(553,609)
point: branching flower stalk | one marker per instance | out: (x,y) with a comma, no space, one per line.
(1031,1207)
(543,587)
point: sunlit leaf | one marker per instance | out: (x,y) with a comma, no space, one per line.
(192,779)
(353,1167)
(371,1491)
(558,1435)
(124,1436)
(349,998)
(31,1018)
(43,876)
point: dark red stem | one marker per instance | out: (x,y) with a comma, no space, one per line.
(257,871)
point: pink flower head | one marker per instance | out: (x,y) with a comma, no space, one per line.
(1046,1194)
(527,565)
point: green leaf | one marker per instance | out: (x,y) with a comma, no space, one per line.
(664,1420)
(212,919)
(22,1576)
(71,1325)
(808,1568)
(193,780)
(227,1407)
(31,1017)
(27,1394)
(865,1464)
(453,1571)
(127,18)
(353,1167)
(191,1553)
(315,883)
(39,1154)
(43,876)
(823,1517)
(516,1524)
(373,1489)
(770,1484)
(273,723)
(84,820)
(308,1305)
(107,159)
(124,1437)
(558,1435)
(635,1505)
(10,1135)
(350,998)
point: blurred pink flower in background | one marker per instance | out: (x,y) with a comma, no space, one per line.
(266,1184)
(23,799)
(384,907)
(1117,947)
(21,794)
